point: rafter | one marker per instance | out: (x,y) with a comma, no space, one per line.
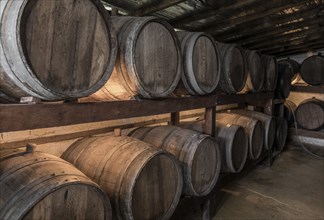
(154,7)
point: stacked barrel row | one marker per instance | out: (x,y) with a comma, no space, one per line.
(81,51)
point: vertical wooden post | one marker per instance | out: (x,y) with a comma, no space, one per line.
(210,117)
(175,118)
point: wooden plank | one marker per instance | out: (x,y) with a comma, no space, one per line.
(210,118)
(155,6)
(27,117)
(205,13)
(269,8)
(175,118)
(307,89)
(297,46)
(256,26)
(298,51)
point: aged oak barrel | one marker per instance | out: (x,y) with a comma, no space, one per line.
(142,181)
(233,144)
(200,64)
(285,70)
(312,70)
(53,49)
(198,154)
(149,60)
(35,185)
(281,133)
(295,66)
(268,122)
(289,111)
(256,71)
(310,114)
(233,68)
(253,129)
(271,73)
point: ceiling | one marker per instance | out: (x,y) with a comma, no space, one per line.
(274,27)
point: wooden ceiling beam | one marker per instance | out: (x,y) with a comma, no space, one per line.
(270,8)
(154,7)
(249,28)
(269,33)
(178,22)
(296,51)
(283,39)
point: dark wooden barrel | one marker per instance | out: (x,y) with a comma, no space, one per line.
(55,50)
(35,185)
(233,144)
(312,70)
(252,127)
(142,181)
(268,122)
(289,110)
(271,73)
(256,71)
(201,65)
(285,71)
(198,154)
(295,66)
(233,68)
(149,60)
(281,133)
(310,114)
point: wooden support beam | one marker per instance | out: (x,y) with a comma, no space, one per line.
(254,27)
(266,34)
(154,7)
(301,44)
(282,40)
(175,118)
(269,8)
(295,51)
(210,118)
(207,12)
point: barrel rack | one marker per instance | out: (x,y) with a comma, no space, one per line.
(17,117)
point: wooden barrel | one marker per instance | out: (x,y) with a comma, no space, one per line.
(289,110)
(55,49)
(312,70)
(284,80)
(233,144)
(268,122)
(281,133)
(201,65)
(271,73)
(233,68)
(295,66)
(310,114)
(35,185)
(252,127)
(142,181)
(256,71)
(198,154)
(149,60)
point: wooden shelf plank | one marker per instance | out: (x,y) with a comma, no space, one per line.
(307,89)
(15,117)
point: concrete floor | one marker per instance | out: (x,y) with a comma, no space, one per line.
(293,188)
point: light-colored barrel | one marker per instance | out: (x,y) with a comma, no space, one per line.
(233,144)
(35,185)
(281,133)
(256,71)
(312,70)
(149,60)
(198,154)
(268,122)
(142,181)
(252,127)
(310,114)
(233,68)
(53,49)
(201,65)
(271,73)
